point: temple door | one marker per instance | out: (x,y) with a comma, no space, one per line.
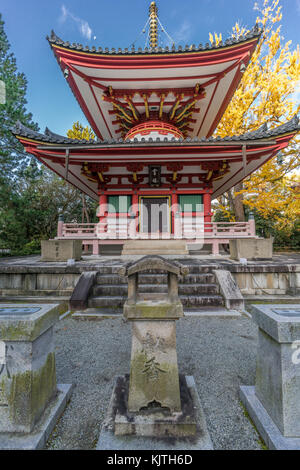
(155,215)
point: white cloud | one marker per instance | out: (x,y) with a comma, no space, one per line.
(183,33)
(83,26)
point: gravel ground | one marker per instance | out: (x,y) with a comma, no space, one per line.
(219,353)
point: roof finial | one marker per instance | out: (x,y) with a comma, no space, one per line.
(153,24)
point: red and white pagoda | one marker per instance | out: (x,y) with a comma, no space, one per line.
(155,166)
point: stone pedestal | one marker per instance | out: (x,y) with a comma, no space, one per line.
(154,370)
(184,431)
(61,250)
(27,369)
(277,386)
(251,248)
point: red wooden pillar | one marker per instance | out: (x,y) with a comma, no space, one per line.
(174,208)
(135,210)
(207,210)
(102,210)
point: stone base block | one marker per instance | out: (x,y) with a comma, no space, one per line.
(151,430)
(251,248)
(61,250)
(38,437)
(266,427)
(155,247)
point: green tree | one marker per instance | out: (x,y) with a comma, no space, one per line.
(30,209)
(12,154)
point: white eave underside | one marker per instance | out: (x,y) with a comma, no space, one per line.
(179,77)
(237,171)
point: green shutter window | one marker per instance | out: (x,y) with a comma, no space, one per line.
(113,204)
(124,203)
(191,202)
(119,204)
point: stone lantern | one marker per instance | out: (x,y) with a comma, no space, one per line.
(154,375)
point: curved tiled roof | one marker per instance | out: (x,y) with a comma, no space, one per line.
(262,133)
(53,39)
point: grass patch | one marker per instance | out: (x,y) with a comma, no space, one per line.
(260,441)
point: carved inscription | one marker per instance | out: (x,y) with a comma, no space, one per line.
(151,345)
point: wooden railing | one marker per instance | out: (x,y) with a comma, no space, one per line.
(216,229)
(125,228)
(78,230)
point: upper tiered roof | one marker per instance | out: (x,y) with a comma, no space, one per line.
(189,87)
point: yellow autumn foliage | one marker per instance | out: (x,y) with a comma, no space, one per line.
(267,94)
(80,132)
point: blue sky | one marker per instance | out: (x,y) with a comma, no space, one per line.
(115,23)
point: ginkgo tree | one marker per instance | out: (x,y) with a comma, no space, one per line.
(266,94)
(80,132)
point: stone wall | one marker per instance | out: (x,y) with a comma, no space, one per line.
(252,279)
(273,283)
(37,283)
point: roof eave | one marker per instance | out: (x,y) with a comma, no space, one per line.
(54,40)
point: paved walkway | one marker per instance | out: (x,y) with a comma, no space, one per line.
(279,259)
(219,353)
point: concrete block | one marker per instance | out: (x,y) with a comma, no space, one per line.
(27,369)
(251,248)
(61,250)
(277,385)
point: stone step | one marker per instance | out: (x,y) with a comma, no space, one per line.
(112,279)
(184,289)
(187,300)
(97,313)
(202,300)
(107,301)
(198,278)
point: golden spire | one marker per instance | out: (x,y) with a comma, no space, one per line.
(153,25)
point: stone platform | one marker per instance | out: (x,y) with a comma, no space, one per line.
(120,427)
(28,276)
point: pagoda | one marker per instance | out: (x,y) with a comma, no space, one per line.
(154,164)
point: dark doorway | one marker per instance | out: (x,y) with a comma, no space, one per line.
(155,215)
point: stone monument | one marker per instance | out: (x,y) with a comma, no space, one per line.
(274,402)
(251,248)
(155,401)
(61,250)
(30,399)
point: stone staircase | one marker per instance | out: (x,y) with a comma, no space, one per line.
(198,289)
